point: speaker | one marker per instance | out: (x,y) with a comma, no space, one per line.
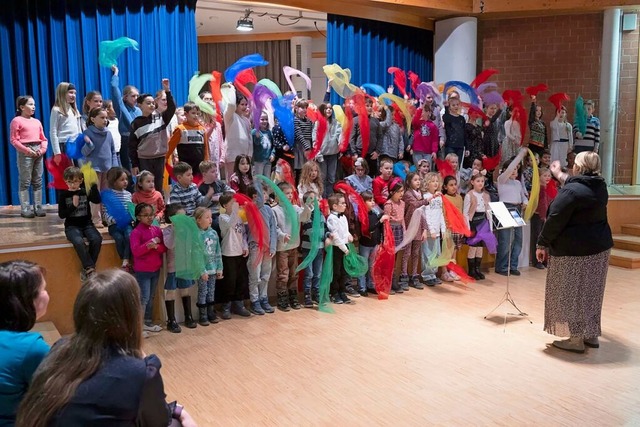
(629,21)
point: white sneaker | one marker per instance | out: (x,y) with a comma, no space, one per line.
(151,328)
(145,334)
(447,277)
(454,276)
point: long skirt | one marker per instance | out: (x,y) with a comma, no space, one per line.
(574,293)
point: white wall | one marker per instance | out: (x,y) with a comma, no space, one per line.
(318,79)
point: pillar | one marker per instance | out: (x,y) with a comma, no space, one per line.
(456,49)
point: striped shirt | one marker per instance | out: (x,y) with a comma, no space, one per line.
(306,230)
(188,197)
(591,138)
(124,197)
(302,132)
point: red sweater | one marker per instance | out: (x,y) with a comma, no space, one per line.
(380,190)
(426,137)
(153,198)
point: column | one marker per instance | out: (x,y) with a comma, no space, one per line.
(456,46)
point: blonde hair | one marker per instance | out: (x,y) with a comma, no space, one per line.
(587,163)
(199,212)
(61,100)
(451,156)
(305,175)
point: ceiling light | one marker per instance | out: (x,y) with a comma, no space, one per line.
(245,23)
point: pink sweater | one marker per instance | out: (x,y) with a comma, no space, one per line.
(146,259)
(426,136)
(153,198)
(27,130)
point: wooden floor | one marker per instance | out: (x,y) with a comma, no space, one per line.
(423,358)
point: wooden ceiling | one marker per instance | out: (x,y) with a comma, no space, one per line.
(424,13)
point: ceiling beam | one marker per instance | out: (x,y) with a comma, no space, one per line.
(256,37)
(450,6)
(520,6)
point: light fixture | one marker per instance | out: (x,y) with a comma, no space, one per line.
(245,23)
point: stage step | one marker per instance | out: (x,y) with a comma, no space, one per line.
(633,229)
(626,242)
(625,259)
(48,331)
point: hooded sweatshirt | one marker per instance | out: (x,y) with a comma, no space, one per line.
(100,150)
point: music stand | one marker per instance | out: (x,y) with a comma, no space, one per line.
(507,218)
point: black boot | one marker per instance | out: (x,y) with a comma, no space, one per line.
(478,270)
(202,318)
(293,299)
(188,317)
(308,303)
(238,308)
(172,325)
(211,313)
(283,300)
(471,267)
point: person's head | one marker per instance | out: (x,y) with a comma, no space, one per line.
(428,100)
(145,181)
(506,164)
(309,197)
(538,114)
(192,113)
(23,295)
(161,101)
(561,114)
(412,182)
(424,167)
(452,159)
(130,95)
(241,104)
(25,106)
(107,104)
(144,214)
(386,169)
(301,108)
(545,176)
(326,110)
(108,319)
(98,117)
(73,177)
(396,190)
(337,202)
(571,159)
(242,165)
(173,209)
(545,159)
(367,196)
(181,116)
(287,189)
(368,104)
(117,178)
(252,193)
(91,101)
(454,105)
(450,185)
(590,107)
(66,98)
(491,110)
(310,173)
(207,97)
(146,103)
(433,182)
(264,121)
(202,216)
(183,173)
(209,171)
(477,164)
(361,167)
(477,180)
(587,163)
(227,200)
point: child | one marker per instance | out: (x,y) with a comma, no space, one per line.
(328,157)
(476,209)
(339,229)
(512,138)
(117,180)
(545,159)
(112,127)
(237,128)
(259,274)
(65,121)
(392,145)
(475,141)
(561,137)
(394,209)
(310,180)
(126,109)
(375,136)
(212,187)
(454,124)
(147,249)
(537,129)
(263,152)
(27,136)
(311,281)
(241,179)
(434,216)
(92,100)
(450,190)
(73,207)
(213,265)
(453,160)
(287,252)
(381,182)
(513,195)
(234,251)
(413,200)
(425,136)
(424,167)
(185,191)
(303,131)
(540,215)
(189,138)
(281,145)
(172,283)
(146,193)
(368,245)
(464,184)
(360,179)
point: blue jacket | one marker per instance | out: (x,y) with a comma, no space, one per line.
(100,151)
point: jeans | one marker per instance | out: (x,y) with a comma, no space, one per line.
(417,156)
(88,257)
(328,169)
(262,168)
(206,289)
(365,282)
(121,236)
(503,262)
(312,274)
(156,167)
(147,280)
(430,247)
(30,170)
(259,274)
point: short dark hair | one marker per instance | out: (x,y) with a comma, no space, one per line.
(142,97)
(366,195)
(20,283)
(308,194)
(226,197)
(284,185)
(72,172)
(190,106)
(181,168)
(334,199)
(170,210)
(251,191)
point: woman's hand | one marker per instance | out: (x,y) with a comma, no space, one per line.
(541,255)
(186,420)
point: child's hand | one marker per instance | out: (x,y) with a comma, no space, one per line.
(204,277)
(579,135)
(87,140)
(384,218)
(75,200)
(272,254)
(438,193)
(115,70)
(350,239)
(286,147)
(424,235)
(245,253)
(287,238)
(327,241)
(219,275)
(165,84)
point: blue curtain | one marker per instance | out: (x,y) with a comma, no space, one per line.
(368,48)
(46,42)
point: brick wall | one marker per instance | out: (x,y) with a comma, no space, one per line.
(563,52)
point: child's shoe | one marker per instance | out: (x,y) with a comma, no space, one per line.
(336,299)
(415,282)
(264,302)
(188,318)
(172,325)
(256,308)
(150,327)
(239,309)
(307,301)
(226,311)
(315,297)
(211,313)
(345,299)
(283,301)
(293,299)
(352,292)
(202,310)
(446,276)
